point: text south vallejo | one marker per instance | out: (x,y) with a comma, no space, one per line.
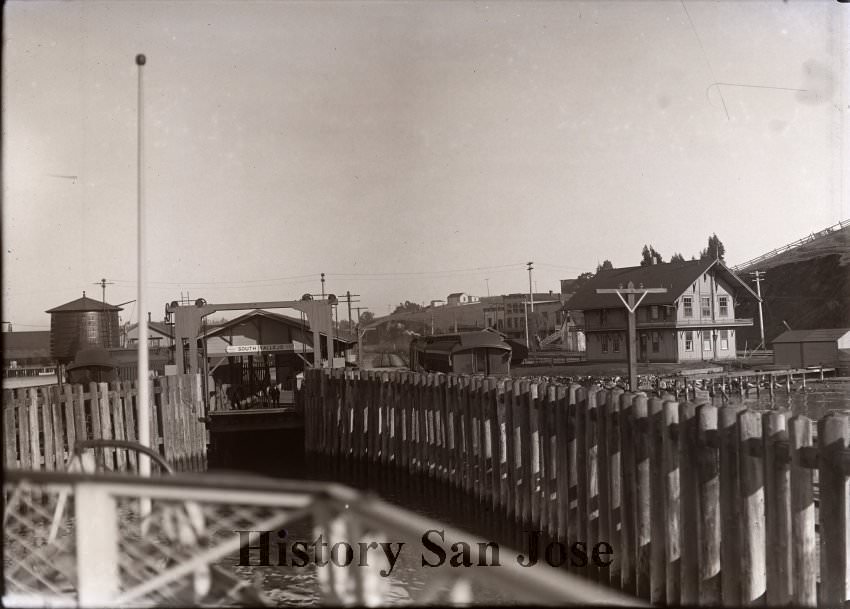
(275,548)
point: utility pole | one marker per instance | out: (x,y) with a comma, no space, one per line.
(531,300)
(525,308)
(759,275)
(103,283)
(488,286)
(348,300)
(631,291)
(323,285)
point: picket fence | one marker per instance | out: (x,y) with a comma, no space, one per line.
(42,425)
(703,505)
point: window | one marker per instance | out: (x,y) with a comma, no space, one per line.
(706,306)
(604,339)
(689,340)
(653,312)
(688,304)
(616,338)
(656,342)
(724,306)
(724,340)
(706,340)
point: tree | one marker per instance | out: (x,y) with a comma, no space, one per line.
(366,317)
(650,256)
(677,257)
(407,307)
(582,279)
(605,266)
(715,249)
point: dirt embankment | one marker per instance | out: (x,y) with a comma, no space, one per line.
(808,294)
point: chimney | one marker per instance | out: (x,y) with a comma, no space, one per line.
(149,317)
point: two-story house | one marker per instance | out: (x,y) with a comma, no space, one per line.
(693,321)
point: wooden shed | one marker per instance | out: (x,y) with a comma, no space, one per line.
(802,348)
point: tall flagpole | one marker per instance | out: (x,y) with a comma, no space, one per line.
(143,398)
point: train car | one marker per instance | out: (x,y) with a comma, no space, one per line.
(479,352)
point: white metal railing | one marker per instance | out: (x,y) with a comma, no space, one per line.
(78,540)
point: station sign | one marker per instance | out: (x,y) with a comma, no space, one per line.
(259,348)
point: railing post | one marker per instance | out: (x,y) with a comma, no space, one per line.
(97,545)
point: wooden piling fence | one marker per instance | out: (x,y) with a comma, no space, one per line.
(42,424)
(702,505)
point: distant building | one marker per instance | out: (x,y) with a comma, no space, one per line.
(829,348)
(459,298)
(695,320)
(160,334)
(508,315)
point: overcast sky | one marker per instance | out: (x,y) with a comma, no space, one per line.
(407,149)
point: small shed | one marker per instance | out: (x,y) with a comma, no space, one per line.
(803,348)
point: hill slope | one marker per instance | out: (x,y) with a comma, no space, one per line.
(807,286)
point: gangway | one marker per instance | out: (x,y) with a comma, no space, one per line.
(98,552)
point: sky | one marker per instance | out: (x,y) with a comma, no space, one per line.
(407,149)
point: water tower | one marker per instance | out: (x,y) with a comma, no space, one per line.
(80,324)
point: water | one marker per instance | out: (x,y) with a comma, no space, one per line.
(818,399)
(274,454)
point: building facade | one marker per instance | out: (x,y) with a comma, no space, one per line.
(693,321)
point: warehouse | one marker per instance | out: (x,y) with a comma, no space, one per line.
(803,348)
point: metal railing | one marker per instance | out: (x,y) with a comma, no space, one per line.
(79,540)
(779,250)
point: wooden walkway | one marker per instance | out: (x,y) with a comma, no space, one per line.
(703,505)
(42,425)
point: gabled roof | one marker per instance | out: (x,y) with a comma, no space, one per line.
(456,294)
(675,276)
(157,326)
(278,317)
(84,304)
(21,345)
(811,336)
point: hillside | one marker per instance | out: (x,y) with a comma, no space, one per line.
(807,286)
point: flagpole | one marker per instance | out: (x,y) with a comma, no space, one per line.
(143,397)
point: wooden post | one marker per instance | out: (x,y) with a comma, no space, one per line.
(834,486)
(615,479)
(689,486)
(730,505)
(592,446)
(640,434)
(777,509)
(658,516)
(32,415)
(751,467)
(709,506)
(628,510)
(803,538)
(670,466)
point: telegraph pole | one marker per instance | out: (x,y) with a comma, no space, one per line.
(759,275)
(103,283)
(488,286)
(530,292)
(323,285)
(631,291)
(348,300)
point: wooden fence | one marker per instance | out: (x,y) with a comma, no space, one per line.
(703,505)
(42,425)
